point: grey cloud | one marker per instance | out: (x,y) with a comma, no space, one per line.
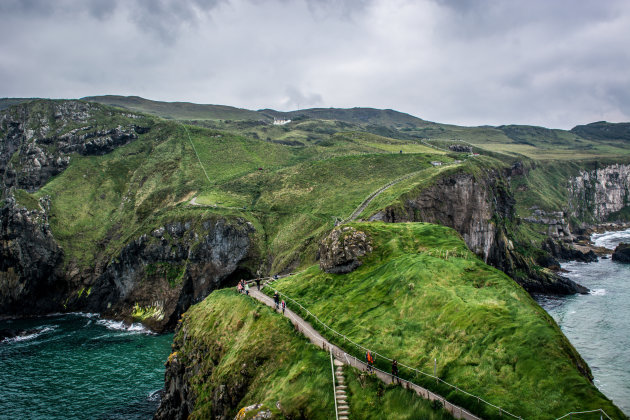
(298,100)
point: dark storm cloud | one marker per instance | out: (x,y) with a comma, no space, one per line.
(556,63)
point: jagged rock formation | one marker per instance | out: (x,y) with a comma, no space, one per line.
(170,269)
(557,226)
(479,208)
(597,194)
(37,141)
(155,277)
(460,148)
(622,253)
(340,252)
(29,260)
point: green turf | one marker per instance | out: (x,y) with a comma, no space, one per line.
(370,399)
(421,295)
(233,341)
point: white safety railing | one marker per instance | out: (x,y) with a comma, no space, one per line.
(332,365)
(359,346)
(599,410)
(502,411)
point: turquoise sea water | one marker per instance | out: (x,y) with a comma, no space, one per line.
(598,324)
(78,366)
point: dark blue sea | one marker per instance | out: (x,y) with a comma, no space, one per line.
(77,366)
(598,324)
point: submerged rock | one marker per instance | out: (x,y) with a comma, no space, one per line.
(622,253)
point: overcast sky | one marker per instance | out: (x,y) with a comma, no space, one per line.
(555,63)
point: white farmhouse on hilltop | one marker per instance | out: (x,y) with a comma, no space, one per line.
(277,121)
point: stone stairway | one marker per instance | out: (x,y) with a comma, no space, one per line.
(342,402)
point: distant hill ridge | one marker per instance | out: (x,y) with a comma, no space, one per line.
(596,131)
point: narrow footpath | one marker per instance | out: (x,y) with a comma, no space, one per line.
(344,358)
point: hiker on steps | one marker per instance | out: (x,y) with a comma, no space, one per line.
(276,299)
(239,287)
(258,282)
(369,359)
(284,306)
(395,371)
(247,289)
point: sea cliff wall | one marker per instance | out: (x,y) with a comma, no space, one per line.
(481,208)
(597,195)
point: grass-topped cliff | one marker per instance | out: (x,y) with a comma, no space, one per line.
(142,209)
(422,295)
(234,352)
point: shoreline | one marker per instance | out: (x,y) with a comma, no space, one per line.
(585,245)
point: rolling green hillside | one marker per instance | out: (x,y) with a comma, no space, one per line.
(421,295)
(175,110)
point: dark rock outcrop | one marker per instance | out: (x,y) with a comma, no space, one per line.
(460,148)
(39,139)
(169,269)
(563,252)
(29,259)
(340,252)
(622,253)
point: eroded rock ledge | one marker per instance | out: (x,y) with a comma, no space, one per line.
(341,251)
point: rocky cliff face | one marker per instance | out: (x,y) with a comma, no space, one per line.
(29,260)
(37,141)
(341,251)
(480,209)
(156,277)
(597,194)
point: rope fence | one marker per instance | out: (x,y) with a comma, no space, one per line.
(365,349)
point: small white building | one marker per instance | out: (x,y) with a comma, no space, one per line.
(277,121)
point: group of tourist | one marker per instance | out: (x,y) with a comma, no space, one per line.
(369,361)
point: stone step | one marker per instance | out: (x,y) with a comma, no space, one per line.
(344,418)
(338,363)
(341,391)
(341,387)
(344,413)
(343,407)
(342,402)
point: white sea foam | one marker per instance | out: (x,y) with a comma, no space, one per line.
(29,336)
(121,326)
(597,292)
(611,239)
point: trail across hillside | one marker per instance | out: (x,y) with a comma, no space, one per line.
(343,357)
(375,194)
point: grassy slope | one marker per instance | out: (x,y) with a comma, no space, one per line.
(238,334)
(176,110)
(489,337)
(370,399)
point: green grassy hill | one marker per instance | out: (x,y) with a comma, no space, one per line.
(421,295)
(255,356)
(175,110)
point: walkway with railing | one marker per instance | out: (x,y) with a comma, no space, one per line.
(316,338)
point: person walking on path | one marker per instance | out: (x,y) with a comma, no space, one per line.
(395,371)
(258,282)
(239,287)
(276,299)
(284,306)
(369,359)
(247,289)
